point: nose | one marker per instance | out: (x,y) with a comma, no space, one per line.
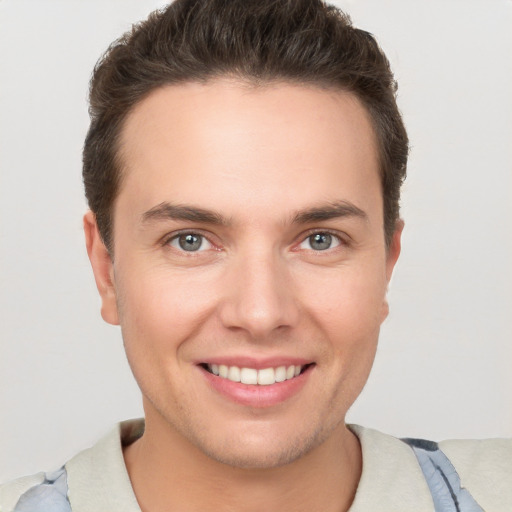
(259,296)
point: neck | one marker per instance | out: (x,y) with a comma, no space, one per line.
(169,473)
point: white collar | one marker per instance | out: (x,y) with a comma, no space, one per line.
(391,479)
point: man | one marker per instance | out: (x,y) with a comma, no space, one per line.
(243,169)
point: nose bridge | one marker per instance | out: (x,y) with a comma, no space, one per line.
(259,297)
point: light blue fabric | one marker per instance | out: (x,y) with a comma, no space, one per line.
(49,496)
(442,478)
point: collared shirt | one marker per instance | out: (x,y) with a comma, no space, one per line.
(392,480)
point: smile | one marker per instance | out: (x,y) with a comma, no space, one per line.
(253,376)
(257,384)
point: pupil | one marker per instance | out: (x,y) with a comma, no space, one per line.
(321,241)
(190,242)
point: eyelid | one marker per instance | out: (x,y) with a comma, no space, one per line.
(168,238)
(343,238)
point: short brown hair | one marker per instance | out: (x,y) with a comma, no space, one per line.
(297,41)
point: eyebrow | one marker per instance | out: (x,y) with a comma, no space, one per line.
(329,211)
(169,211)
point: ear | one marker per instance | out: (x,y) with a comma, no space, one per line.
(393,252)
(102,268)
(394,249)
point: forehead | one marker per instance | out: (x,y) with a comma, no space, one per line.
(226,143)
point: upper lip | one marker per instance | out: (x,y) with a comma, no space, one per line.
(256,363)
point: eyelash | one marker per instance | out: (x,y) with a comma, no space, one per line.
(166,241)
(342,241)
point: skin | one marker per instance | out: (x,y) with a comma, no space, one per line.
(258,158)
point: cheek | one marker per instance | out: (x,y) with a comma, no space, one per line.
(160,309)
(349,313)
(350,300)
(353,320)
(158,315)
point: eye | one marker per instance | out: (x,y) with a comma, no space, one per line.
(320,242)
(190,242)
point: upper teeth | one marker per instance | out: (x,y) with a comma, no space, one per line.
(263,377)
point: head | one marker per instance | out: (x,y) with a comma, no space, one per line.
(243,169)
(259,42)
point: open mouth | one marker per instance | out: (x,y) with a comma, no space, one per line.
(253,376)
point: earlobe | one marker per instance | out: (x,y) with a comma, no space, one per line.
(102,268)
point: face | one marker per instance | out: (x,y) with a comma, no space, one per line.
(250,267)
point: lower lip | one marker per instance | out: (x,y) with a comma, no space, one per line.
(256,395)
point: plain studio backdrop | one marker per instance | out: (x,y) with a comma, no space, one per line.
(443,367)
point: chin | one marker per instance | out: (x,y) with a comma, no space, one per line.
(257,456)
(262,449)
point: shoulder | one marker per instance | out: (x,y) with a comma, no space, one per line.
(396,478)
(95,479)
(485,468)
(481,455)
(10,492)
(44,492)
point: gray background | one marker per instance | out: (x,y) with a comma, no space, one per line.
(443,367)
